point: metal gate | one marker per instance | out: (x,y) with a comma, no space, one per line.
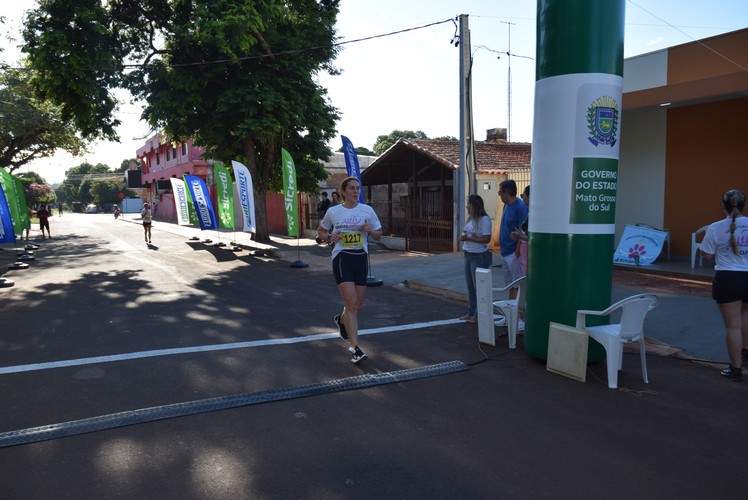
(428,224)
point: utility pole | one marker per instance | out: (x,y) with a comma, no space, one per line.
(509,86)
(465,176)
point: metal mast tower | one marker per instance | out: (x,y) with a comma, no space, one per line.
(509,86)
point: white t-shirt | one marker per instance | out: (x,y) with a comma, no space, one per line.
(483,229)
(717,242)
(349,223)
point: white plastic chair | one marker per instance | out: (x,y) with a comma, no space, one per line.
(511,308)
(630,329)
(486,307)
(696,246)
(666,231)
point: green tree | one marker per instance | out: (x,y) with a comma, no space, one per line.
(32,128)
(385,141)
(360,151)
(27,178)
(236,76)
(78,180)
(103,192)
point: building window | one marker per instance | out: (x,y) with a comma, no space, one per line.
(174,151)
(158,158)
(167,154)
(184,149)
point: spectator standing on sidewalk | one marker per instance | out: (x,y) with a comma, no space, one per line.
(520,235)
(43,214)
(323,205)
(727,241)
(512,217)
(349,226)
(475,237)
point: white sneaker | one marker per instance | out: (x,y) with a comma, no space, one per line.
(520,326)
(500,321)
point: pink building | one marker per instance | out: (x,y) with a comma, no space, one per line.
(162,160)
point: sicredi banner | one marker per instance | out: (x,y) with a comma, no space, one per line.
(225,195)
(289,193)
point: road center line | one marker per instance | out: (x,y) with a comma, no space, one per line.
(215,347)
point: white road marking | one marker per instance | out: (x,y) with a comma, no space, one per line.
(215,347)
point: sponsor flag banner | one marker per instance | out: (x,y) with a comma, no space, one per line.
(6,223)
(22,206)
(11,197)
(181,201)
(290,199)
(639,246)
(225,194)
(351,165)
(246,194)
(206,216)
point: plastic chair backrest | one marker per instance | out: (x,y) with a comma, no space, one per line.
(521,293)
(695,234)
(632,317)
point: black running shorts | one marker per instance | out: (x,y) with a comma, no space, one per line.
(730,286)
(350,266)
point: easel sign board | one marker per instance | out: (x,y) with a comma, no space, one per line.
(567,351)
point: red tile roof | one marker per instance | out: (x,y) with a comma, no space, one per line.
(495,157)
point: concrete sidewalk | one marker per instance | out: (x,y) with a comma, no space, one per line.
(684,325)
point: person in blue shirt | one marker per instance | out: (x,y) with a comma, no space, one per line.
(514,214)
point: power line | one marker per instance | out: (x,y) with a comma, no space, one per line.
(743,68)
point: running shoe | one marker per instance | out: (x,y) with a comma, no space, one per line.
(500,321)
(520,325)
(341,327)
(357,353)
(735,374)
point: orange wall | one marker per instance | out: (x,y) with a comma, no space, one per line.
(707,154)
(694,61)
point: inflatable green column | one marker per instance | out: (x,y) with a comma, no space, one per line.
(579,79)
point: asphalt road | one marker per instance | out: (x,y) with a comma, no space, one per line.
(102,324)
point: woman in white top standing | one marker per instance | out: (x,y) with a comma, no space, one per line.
(475,235)
(349,226)
(727,241)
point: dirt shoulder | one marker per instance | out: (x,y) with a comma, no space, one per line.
(670,283)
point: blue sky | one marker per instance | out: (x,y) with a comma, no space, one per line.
(410,81)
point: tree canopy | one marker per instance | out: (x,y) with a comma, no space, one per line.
(236,76)
(32,128)
(385,141)
(360,150)
(79,179)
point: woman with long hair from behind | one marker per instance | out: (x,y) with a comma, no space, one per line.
(727,241)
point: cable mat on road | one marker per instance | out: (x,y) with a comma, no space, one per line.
(121,419)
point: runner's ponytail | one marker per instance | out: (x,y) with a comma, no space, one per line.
(733,201)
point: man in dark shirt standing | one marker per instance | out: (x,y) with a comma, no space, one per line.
(43,214)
